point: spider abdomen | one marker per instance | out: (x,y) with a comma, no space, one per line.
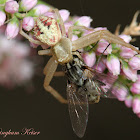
(47,30)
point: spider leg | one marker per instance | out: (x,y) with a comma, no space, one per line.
(45,52)
(98,35)
(59,73)
(77,28)
(50,70)
(60,22)
(28,37)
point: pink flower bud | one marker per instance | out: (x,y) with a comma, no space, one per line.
(26,5)
(64,14)
(126,38)
(74,37)
(102,46)
(2,18)
(130,73)
(12,30)
(113,65)
(49,14)
(128,101)
(100,67)
(99,28)
(89,58)
(136,105)
(41,9)
(120,92)
(134,62)
(135,88)
(28,23)
(11,7)
(127,52)
(84,21)
(67,25)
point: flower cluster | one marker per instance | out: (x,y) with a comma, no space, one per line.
(15,68)
(114,60)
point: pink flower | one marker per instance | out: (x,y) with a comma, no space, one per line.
(40,9)
(74,37)
(126,38)
(127,52)
(89,59)
(28,23)
(120,92)
(99,28)
(130,73)
(100,67)
(136,105)
(135,88)
(113,65)
(64,14)
(2,18)
(84,21)
(128,101)
(102,46)
(67,25)
(26,5)
(49,14)
(12,30)
(11,7)
(134,62)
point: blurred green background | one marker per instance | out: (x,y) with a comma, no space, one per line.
(109,119)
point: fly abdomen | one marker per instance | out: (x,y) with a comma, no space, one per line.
(74,71)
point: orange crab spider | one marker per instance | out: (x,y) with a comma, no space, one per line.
(47,31)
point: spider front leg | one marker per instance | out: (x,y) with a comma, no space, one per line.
(98,35)
(50,70)
(28,37)
(70,31)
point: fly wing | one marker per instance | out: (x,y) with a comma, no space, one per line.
(78,109)
(106,85)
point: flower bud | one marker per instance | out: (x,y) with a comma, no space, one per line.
(130,73)
(128,101)
(136,105)
(100,67)
(102,46)
(12,29)
(64,14)
(67,25)
(89,59)
(135,88)
(120,92)
(113,64)
(11,7)
(127,52)
(28,23)
(134,62)
(74,37)
(49,14)
(84,21)
(126,38)
(26,5)
(2,18)
(40,9)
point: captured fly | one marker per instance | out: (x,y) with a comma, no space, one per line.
(84,85)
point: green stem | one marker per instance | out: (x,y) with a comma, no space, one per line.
(20,15)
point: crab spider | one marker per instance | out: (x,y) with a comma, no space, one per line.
(48,32)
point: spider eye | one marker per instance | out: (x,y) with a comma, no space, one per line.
(41,33)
